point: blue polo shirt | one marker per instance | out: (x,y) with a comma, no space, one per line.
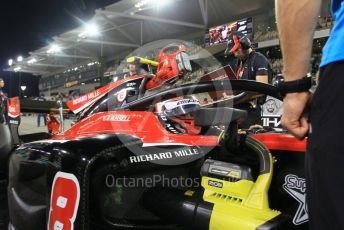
(334,49)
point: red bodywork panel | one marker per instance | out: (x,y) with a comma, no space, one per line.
(144,125)
(147,127)
(278,141)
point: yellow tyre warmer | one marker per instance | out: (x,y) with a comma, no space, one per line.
(243,204)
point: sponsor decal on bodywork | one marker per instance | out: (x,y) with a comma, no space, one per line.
(116,117)
(177,153)
(296,187)
(86,97)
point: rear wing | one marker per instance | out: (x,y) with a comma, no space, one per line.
(34,106)
(14,109)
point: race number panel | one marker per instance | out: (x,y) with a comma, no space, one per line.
(64,202)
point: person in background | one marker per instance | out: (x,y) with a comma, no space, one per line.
(132,67)
(205,101)
(224,33)
(296,21)
(39,115)
(3,101)
(248,65)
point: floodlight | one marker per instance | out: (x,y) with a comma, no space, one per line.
(16,69)
(54,49)
(32,60)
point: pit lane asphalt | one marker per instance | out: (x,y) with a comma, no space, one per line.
(28,125)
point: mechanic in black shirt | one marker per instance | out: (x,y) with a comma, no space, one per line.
(248,65)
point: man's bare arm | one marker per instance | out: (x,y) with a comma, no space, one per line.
(262,78)
(296,20)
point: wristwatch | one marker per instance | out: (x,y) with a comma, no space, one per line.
(297,86)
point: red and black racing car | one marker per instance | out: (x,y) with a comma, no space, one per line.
(160,161)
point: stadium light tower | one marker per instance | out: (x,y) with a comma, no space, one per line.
(19,58)
(10,62)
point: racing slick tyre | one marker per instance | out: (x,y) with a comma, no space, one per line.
(3,205)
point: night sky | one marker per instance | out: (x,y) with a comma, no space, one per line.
(27,25)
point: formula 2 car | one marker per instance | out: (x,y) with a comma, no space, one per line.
(160,161)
